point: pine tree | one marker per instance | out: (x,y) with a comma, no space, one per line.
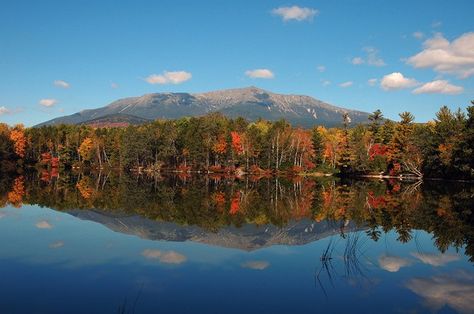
(318,146)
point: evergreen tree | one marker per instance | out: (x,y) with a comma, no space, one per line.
(318,146)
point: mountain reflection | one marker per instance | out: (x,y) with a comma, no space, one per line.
(251,212)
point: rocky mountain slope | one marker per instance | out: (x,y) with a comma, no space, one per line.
(251,103)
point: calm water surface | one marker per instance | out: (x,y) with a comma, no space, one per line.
(109,244)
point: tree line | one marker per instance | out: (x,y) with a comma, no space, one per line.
(215,203)
(214,143)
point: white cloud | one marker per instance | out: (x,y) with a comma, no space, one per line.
(456,57)
(4,110)
(326,83)
(346,84)
(396,80)
(455,290)
(295,13)
(357,60)
(436,24)
(393,263)
(168,257)
(436,259)
(43,224)
(418,35)
(61,84)
(372,81)
(260,73)
(321,68)
(372,58)
(48,102)
(173,77)
(439,87)
(114,85)
(257,265)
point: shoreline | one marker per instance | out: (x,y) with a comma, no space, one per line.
(263,173)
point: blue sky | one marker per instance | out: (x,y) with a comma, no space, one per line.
(60,57)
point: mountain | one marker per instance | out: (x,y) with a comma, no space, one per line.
(247,237)
(115,120)
(251,103)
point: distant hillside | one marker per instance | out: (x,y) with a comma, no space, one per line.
(115,120)
(251,103)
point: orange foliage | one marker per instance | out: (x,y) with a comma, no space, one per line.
(17,135)
(84,188)
(15,196)
(86,148)
(221,146)
(445,153)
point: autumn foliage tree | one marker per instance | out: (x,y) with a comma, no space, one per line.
(86,150)
(17,135)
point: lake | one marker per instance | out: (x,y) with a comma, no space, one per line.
(104,243)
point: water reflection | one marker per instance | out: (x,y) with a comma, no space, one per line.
(393,263)
(251,213)
(292,242)
(453,289)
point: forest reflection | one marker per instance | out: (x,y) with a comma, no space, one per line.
(215,202)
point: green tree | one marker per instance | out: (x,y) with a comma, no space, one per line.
(318,146)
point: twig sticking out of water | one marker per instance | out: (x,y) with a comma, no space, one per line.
(326,266)
(352,253)
(123,308)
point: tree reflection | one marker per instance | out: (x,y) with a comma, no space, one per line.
(218,201)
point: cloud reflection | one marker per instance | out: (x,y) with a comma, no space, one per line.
(257,265)
(436,259)
(43,224)
(393,263)
(455,290)
(168,257)
(56,245)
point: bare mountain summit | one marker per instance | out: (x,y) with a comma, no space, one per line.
(251,103)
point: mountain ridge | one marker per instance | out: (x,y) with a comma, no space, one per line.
(248,237)
(251,103)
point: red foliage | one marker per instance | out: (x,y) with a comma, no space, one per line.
(396,188)
(236,142)
(46,158)
(235,203)
(183,168)
(54,172)
(216,169)
(296,169)
(308,164)
(396,169)
(55,162)
(45,176)
(219,199)
(377,150)
(376,201)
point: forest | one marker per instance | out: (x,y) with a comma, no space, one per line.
(441,148)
